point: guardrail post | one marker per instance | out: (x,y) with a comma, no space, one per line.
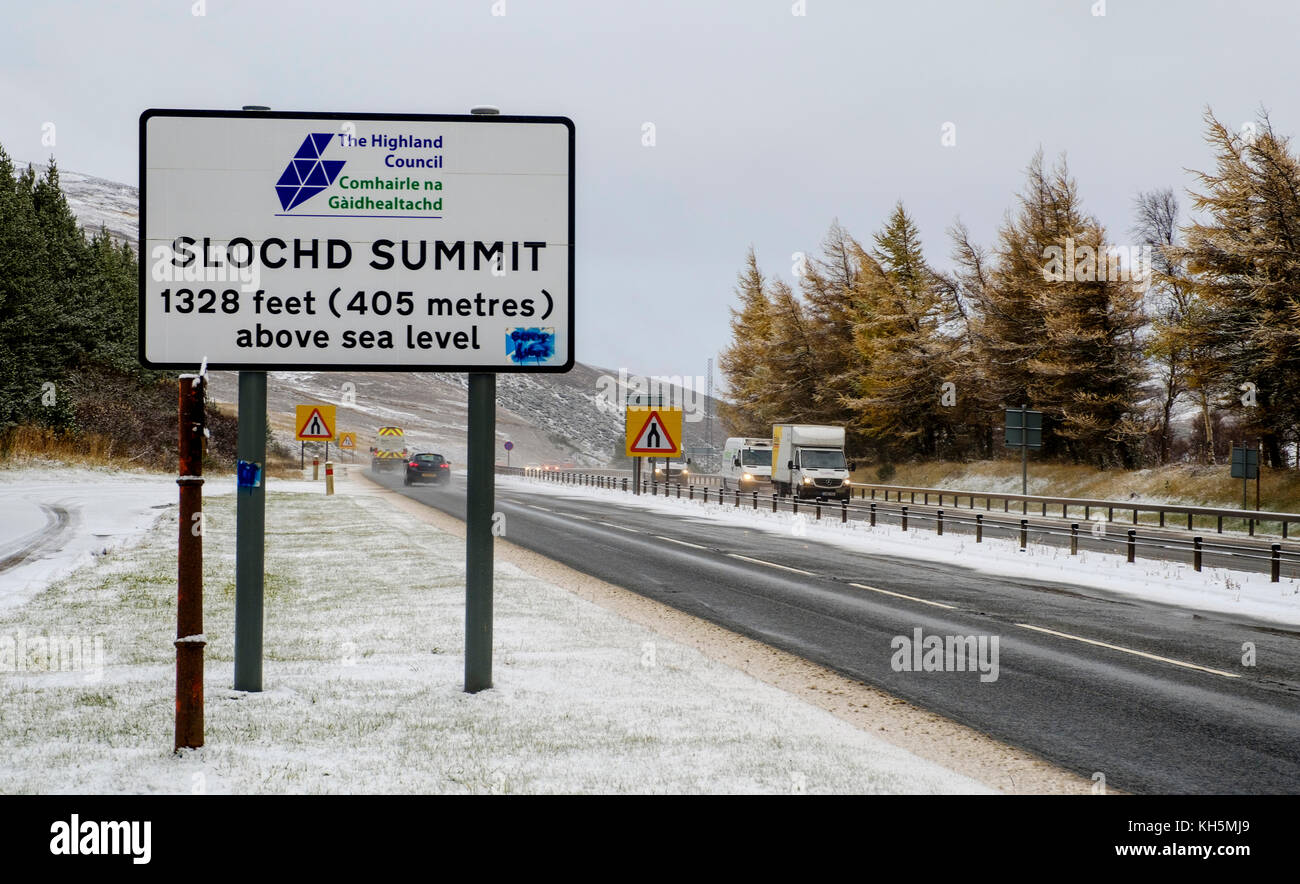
(1162,518)
(844,511)
(1220,524)
(1110,514)
(979,527)
(1275,566)
(938,522)
(1189,521)
(1074,538)
(1024,533)
(1135,515)
(1087,513)
(927,497)
(1196,553)
(1006,504)
(1284,524)
(1064,513)
(1252,526)
(1132,545)
(904,518)
(873,494)
(1045,509)
(873,515)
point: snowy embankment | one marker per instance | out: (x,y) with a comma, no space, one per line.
(1171,583)
(363,675)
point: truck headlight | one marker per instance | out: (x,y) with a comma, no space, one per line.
(807,480)
(747,477)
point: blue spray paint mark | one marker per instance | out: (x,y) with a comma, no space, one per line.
(535,345)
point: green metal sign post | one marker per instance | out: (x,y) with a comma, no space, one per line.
(1024,430)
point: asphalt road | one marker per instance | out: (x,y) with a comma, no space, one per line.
(1154,697)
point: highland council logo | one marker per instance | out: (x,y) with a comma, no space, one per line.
(308,173)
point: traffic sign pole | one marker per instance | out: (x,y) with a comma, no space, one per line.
(480,492)
(250,533)
(1024,450)
(480,501)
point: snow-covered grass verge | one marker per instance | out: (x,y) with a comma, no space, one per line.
(363,675)
(1172,583)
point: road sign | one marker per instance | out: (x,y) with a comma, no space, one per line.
(1033,429)
(275,240)
(654,433)
(1245,462)
(314,422)
(510,446)
(347,440)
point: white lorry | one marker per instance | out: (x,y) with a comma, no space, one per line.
(746,462)
(808,461)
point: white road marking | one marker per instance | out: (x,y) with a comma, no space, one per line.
(1091,641)
(910,598)
(682,542)
(621,527)
(771,564)
(536,507)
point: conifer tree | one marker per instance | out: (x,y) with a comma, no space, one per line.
(1242,263)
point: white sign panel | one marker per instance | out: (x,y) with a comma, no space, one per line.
(273,240)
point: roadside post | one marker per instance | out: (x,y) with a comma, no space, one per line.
(1024,430)
(302,267)
(1245,466)
(189,566)
(509,446)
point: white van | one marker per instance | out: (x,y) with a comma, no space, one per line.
(746,463)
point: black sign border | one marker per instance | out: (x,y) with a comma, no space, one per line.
(486,119)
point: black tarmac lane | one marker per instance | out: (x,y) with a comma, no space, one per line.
(1156,699)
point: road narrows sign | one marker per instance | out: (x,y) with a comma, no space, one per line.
(657,433)
(276,240)
(347,440)
(314,422)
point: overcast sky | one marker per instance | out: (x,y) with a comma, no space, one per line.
(767,125)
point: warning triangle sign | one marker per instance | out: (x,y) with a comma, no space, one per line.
(315,427)
(653,437)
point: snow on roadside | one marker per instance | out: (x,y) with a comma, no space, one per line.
(364,666)
(1172,583)
(104,510)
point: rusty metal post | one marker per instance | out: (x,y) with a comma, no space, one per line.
(189,570)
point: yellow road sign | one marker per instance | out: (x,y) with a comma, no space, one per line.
(315,422)
(347,440)
(654,432)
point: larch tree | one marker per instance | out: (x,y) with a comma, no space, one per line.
(1243,261)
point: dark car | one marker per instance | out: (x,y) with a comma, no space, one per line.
(427,468)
